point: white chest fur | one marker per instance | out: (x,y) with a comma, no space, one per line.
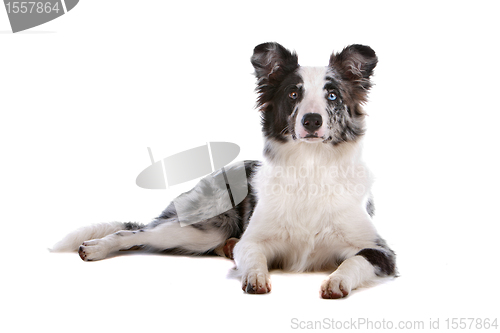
(312,202)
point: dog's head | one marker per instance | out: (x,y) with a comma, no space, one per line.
(313,104)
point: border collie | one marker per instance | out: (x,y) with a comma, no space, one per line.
(309,205)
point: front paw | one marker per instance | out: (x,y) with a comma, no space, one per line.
(335,287)
(256,282)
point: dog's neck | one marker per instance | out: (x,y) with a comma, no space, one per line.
(312,154)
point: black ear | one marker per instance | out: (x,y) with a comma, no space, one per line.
(272,61)
(355,63)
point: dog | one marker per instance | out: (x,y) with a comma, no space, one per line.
(309,206)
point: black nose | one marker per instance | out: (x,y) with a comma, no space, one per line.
(312,121)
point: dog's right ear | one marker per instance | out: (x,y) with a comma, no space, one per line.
(272,62)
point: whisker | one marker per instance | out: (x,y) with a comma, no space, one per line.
(286,129)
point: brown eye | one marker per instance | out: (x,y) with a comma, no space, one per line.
(293,95)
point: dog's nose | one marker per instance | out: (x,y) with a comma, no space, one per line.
(312,122)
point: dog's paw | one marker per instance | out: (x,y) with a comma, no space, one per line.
(92,250)
(335,286)
(256,282)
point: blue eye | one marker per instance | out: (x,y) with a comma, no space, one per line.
(332,96)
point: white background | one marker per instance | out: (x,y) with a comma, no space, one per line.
(83,96)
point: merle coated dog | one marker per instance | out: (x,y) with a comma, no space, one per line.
(309,204)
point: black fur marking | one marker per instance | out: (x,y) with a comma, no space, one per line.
(370,207)
(385,261)
(203,225)
(183,251)
(272,61)
(276,117)
(275,69)
(133,226)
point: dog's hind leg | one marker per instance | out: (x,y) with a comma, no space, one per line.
(226,250)
(73,240)
(161,236)
(204,228)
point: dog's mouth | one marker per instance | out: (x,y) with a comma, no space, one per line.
(312,138)
(299,134)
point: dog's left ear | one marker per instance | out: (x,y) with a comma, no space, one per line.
(355,63)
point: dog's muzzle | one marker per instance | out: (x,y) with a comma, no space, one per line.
(311,127)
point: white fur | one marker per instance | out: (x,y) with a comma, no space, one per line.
(311,211)
(313,101)
(352,273)
(306,226)
(72,241)
(169,232)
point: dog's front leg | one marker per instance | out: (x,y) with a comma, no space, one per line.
(251,262)
(359,270)
(352,273)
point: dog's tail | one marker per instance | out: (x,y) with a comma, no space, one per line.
(73,240)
